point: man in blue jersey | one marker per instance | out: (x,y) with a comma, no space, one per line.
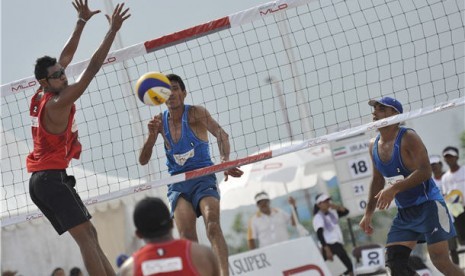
(184,129)
(401,171)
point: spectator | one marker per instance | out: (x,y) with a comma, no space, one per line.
(121,259)
(453,182)
(75,271)
(437,168)
(269,225)
(58,272)
(326,225)
(9,273)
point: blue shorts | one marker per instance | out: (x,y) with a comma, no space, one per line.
(429,221)
(193,190)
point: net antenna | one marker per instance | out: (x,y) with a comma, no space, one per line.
(283,71)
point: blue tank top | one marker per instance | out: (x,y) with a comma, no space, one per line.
(394,170)
(189,153)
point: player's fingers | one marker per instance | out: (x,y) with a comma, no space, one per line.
(236,174)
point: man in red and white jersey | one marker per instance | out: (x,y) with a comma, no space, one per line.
(163,254)
(55,137)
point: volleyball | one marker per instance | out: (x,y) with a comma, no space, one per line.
(454,201)
(153,88)
(454,196)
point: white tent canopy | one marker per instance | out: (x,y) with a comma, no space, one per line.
(278,176)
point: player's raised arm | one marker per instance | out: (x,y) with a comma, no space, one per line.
(71,93)
(155,127)
(84,15)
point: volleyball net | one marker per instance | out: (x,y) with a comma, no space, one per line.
(295,70)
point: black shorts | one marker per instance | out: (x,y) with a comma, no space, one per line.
(459,223)
(53,192)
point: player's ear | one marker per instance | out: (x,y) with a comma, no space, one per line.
(138,234)
(43,83)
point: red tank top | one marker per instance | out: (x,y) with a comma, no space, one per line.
(51,151)
(172,258)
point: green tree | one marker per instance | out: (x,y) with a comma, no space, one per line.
(237,240)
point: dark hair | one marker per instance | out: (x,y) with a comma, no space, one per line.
(75,271)
(315,206)
(152,218)
(176,78)
(315,209)
(42,64)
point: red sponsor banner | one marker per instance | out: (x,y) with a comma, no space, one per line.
(187,34)
(228,165)
(303,268)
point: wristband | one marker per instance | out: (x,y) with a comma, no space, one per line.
(82,19)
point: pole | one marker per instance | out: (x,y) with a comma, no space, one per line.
(134,115)
(299,227)
(282,103)
(302,105)
(352,236)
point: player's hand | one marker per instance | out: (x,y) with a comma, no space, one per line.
(385,198)
(118,17)
(234,172)
(365,225)
(291,201)
(155,125)
(83,10)
(328,253)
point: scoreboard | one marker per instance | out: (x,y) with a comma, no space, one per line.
(354,171)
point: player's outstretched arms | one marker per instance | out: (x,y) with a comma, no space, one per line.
(71,93)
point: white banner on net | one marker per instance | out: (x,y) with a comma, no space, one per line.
(74,69)
(270,8)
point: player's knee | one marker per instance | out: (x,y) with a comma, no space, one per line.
(190,236)
(85,235)
(213,229)
(397,261)
(441,261)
